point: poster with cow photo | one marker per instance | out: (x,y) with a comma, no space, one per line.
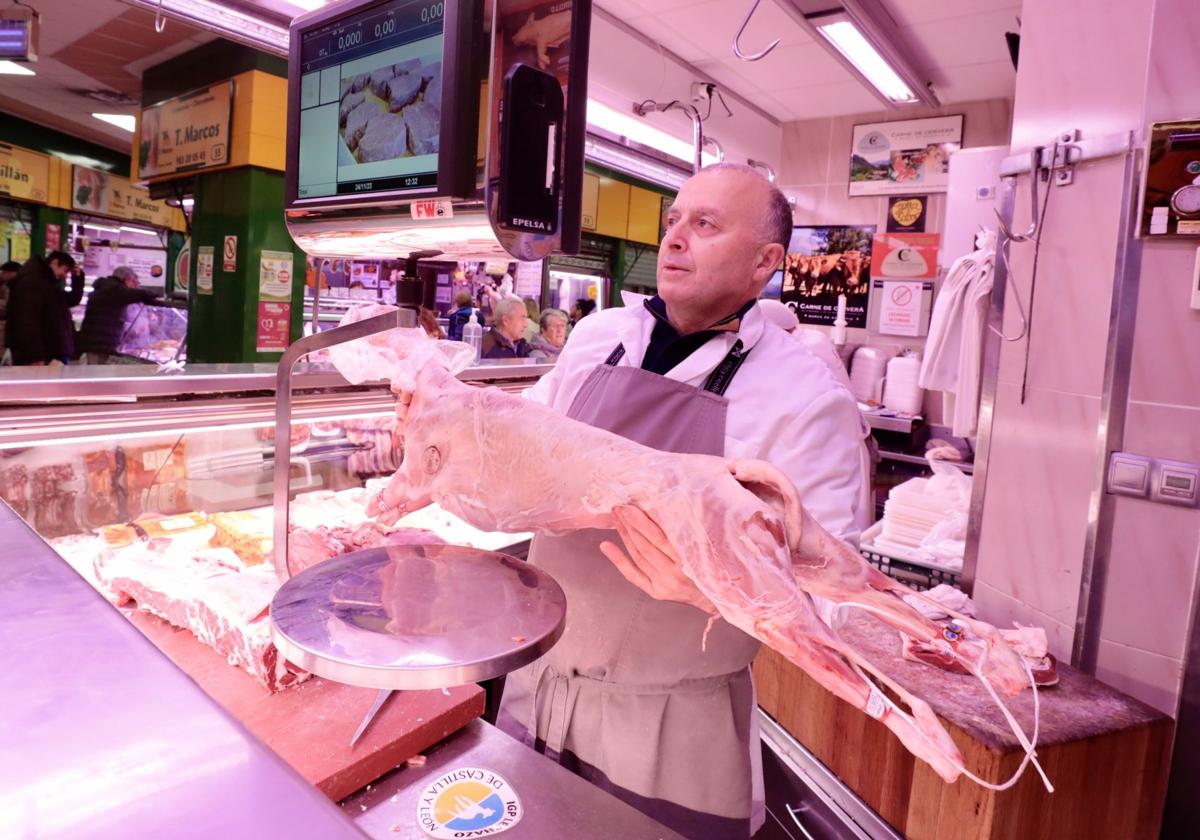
(824,262)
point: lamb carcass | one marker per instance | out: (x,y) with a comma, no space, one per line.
(738,527)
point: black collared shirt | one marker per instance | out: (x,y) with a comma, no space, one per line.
(667,347)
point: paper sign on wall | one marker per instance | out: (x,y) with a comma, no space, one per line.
(275,276)
(204,269)
(229,254)
(274,326)
(905,255)
(21,247)
(900,308)
(53,237)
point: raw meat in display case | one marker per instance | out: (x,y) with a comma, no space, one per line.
(153,333)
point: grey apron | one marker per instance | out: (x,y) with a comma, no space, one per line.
(627,698)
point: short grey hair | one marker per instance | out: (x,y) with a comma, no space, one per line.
(507,306)
(548,315)
(776,221)
(124,272)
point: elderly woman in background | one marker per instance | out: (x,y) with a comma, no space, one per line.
(552,334)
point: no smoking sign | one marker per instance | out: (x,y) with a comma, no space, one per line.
(229,254)
(902,295)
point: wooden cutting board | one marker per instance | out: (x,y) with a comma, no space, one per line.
(310,725)
(1106,753)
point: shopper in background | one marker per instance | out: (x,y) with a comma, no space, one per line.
(505,340)
(39,327)
(582,308)
(8,273)
(532,325)
(104,321)
(427,319)
(552,334)
(462,313)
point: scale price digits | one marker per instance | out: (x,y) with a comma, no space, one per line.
(350,39)
(433,12)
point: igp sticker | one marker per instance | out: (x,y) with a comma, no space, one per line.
(468,802)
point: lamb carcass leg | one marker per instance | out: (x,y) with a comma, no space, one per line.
(504,463)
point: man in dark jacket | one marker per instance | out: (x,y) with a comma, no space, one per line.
(39,328)
(104,320)
(8,275)
(505,340)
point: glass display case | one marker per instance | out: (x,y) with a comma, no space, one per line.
(153,333)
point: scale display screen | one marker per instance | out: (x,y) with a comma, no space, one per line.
(370,102)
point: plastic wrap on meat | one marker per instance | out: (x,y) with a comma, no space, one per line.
(403,90)
(156,479)
(424,124)
(737,527)
(14,488)
(100,501)
(210,594)
(349,102)
(385,138)
(53,505)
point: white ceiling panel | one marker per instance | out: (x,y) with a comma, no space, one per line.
(993,80)
(909,12)
(669,37)
(789,67)
(712,25)
(827,100)
(965,40)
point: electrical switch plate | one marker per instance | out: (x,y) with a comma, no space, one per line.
(1175,483)
(1129,474)
(1196,282)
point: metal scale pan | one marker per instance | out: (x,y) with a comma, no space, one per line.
(417,616)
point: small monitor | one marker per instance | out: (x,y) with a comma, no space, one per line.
(382,103)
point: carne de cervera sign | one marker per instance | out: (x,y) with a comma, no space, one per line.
(186,133)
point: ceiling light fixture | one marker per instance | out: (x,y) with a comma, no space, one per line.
(873,52)
(856,49)
(11,68)
(143,231)
(638,130)
(126,122)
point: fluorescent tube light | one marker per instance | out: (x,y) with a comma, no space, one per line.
(855,48)
(638,130)
(141,230)
(11,68)
(122,121)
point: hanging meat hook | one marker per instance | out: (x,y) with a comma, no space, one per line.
(737,50)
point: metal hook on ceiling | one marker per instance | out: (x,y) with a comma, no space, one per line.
(737,50)
(160,22)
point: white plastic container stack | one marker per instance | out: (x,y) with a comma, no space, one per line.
(901,392)
(866,373)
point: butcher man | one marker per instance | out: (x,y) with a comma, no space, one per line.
(629,698)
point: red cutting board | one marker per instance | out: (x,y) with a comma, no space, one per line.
(310,725)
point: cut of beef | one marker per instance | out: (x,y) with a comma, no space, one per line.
(203,592)
(309,546)
(349,102)
(411,65)
(433,92)
(14,489)
(379,81)
(424,125)
(54,505)
(100,503)
(360,82)
(385,138)
(356,122)
(403,90)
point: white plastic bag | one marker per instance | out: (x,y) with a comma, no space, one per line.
(396,355)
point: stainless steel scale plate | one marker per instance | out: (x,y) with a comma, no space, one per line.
(417,616)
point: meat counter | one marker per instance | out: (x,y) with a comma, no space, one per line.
(156,489)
